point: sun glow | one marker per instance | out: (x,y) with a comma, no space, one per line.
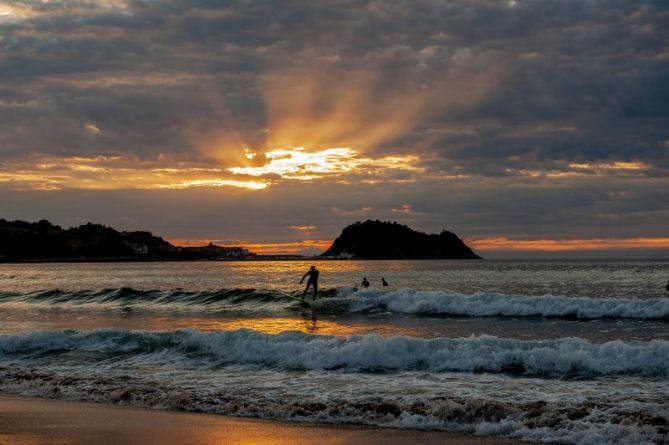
(318,126)
(325,125)
(117,172)
(253,185)
(297,163)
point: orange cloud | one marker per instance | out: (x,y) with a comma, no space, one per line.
(303,228)
(117,172)
(610,165)
(293,247)
(289,247)
(557,245)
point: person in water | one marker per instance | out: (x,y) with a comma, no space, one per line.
(384,282)
(364,283)
(667,288)
(312,273)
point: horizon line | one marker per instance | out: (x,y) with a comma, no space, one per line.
(490,244)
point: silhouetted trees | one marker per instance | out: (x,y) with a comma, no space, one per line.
(21,240)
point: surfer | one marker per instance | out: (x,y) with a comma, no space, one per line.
(384,282)
(364,283)
(667,288)
(312,273)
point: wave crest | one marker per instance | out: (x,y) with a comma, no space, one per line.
(496,305)
(171,299)
(407,301)
(569,357)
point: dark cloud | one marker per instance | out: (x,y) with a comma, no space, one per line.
(533,210)
(597,67)
(504,90)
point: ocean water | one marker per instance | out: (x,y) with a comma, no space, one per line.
(547,351)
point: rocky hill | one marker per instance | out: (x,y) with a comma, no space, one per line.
(43,241)
(389,240)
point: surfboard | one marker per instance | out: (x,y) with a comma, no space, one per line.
(304,302)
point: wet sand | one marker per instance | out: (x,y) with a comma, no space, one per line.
(26,420)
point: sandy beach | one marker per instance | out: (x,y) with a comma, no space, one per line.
(25,420)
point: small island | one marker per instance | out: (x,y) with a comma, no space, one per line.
(391,241)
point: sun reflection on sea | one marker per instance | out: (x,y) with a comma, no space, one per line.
(270,325)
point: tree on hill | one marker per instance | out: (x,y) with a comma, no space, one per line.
(26,241)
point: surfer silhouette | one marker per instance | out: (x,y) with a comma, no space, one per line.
(364,283)
(312,273)
(384,282)
(667,288)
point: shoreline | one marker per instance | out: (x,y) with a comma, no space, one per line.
(40,421)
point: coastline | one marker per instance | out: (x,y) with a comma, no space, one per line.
(224,260)
(31,420)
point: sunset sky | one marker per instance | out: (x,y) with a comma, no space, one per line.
(526,127)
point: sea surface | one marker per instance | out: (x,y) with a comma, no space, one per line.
(548,351)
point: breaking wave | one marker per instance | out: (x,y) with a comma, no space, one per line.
(408,301)
(169,299)
(354,379)
(564,358)
(494,304)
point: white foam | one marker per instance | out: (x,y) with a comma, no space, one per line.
(493,304)
(344,299)
(589,422)
(295,350)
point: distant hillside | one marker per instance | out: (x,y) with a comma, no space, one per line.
(386,240)
(26,241)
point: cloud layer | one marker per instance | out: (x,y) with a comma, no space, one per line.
(497,119)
